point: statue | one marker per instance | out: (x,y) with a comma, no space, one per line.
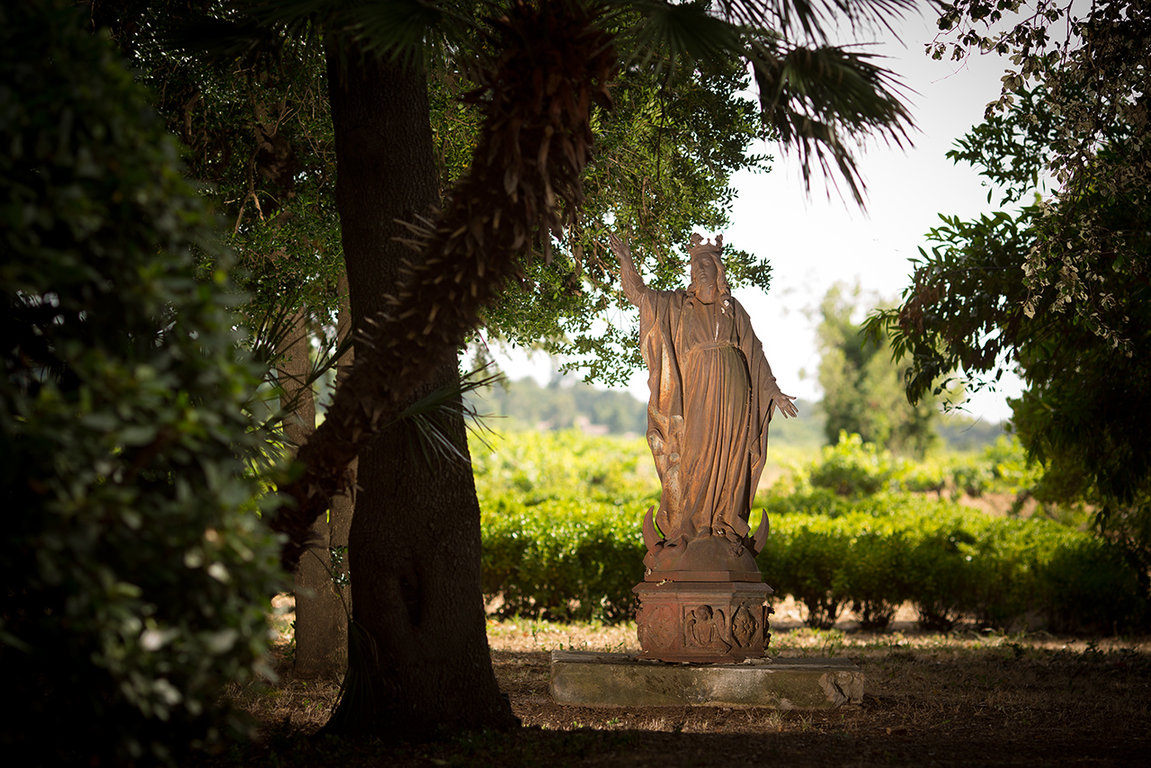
(712,398)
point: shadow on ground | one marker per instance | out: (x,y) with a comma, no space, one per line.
(1014,703)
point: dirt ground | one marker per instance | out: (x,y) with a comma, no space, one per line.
(967,698)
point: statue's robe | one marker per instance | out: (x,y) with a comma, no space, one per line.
(708,413)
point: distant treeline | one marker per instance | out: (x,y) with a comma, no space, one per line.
(563,403)
(567,402)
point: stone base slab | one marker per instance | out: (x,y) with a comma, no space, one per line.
(588,679)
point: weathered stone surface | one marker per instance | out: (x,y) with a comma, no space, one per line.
(713,622)
(712,397)
(588,679)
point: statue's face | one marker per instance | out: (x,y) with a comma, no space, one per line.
(703,272)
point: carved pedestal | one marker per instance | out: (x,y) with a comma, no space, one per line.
(703,621)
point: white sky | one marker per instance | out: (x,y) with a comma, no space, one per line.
(815,240)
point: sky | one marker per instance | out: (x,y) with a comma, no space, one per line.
(815,239)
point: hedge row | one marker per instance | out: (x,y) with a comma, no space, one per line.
(952,563)
(565,560)
(562,560)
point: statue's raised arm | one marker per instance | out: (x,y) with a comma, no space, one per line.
(633,285)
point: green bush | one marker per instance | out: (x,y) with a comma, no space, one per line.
(939,566)
(1010,470)
(922,477)
(972,478)
(816,501)
(568,549)
(563,560)
(852,467)
(805,557)
(135,570)
(875,574)
(1087,584)
(1004,581)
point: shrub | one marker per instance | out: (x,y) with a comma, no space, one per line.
(1089,585)
(576,555)
(922,477)
(816,501)
(805,557)
(1004,582)
(876,573)
(563,560)
(136,572)
(939,563)
(972,478)
(852,467)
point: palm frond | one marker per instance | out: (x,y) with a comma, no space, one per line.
(814,20)
(681,33)
(399,30)
(820,101)
(276,331)
(429,417)
(823,101)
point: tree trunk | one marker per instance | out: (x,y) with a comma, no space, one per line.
(418,653)
(321,623)
(343,504)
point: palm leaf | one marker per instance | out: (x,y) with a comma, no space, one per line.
(822,102)
(678,34)
(430,418)
(813,19)
(403,30)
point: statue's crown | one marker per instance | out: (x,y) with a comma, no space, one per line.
(699,246)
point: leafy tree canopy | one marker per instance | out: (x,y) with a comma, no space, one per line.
(862,388)
(1057,287)
(135,571)
(680,126)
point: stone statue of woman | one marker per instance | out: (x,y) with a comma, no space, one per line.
(712,398)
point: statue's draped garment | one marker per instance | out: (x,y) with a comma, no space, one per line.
(708,413)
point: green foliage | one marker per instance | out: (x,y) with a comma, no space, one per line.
(561,540)
(563,559)
(877,573)
(852,467)
(863,388)
(804,557)
(135,570)
(256,134)
(663,160)
(1091,584)
(1056,287)
(561,517)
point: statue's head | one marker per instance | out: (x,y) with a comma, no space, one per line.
(707,272)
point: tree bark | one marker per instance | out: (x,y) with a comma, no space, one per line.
(343,504)
(321,623)
(418,653)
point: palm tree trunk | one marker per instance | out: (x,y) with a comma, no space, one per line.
(418,656)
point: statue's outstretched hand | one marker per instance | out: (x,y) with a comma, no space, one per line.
(785,405)
(620,249)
